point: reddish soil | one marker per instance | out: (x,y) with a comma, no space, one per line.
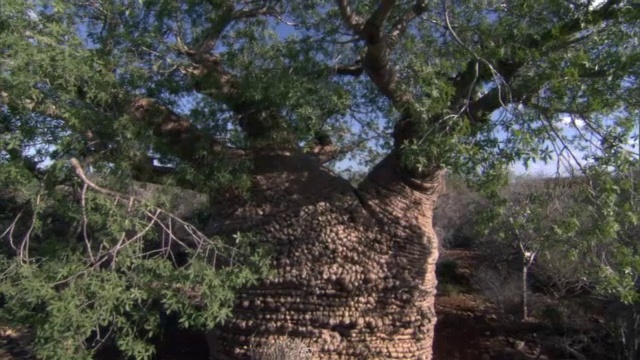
(470,328)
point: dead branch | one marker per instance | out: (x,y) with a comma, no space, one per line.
(160,217)
(23,252)
(354,69)
(156,216)
(9,231)
(85,221)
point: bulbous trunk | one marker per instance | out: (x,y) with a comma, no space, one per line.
(354,268)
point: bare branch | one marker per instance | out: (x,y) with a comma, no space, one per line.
(131,201)
(355,69)
(81,174)
(122,243)
(23,251)
(9,231)
(85,221)
(165,220)
(550,128)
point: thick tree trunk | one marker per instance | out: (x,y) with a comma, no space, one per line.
(355,268)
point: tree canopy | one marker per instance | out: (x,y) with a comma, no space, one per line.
(462,84)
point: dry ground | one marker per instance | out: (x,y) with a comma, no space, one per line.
(470,328)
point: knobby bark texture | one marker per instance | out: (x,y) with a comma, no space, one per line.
(354,267)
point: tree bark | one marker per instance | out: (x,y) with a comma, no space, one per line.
(354,268)
(525,274)
(528,257)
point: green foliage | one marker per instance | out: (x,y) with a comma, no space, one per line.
(584,229)
(543,59)
(609,233)
(136,273)
(74,309)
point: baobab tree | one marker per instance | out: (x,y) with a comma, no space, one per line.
(250,103)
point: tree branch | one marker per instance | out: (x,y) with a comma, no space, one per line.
(229,15)
(185,140)
(353,21)
(354,69)
(260,124)
(208,66)
(210,77)
(177,132)
(507,68)
(130,200)
(496,98)
(400,27)
(579,23)
(172,225)
(380,14)
(377,58)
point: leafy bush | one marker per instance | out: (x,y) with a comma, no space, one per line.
(447,271)
(623,324)
(554,315)
(85,266)
(503,289)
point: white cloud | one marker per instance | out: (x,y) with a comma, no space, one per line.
(568,120)
(594,4)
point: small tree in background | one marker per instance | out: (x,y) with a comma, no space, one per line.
(530,216)
(577,233)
